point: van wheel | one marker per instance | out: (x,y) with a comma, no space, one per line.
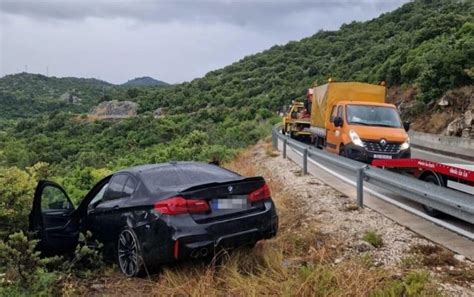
(429,210)
(342,151)
(129,253)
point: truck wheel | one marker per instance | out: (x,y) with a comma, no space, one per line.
(429,210)
(342,151)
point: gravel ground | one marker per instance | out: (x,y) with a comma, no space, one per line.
(335,214)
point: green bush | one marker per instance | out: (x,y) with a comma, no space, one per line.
(373,238)
(24,272)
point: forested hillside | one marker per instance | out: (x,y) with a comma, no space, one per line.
(25,94)
(426,46)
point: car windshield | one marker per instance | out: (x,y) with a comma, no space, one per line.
(373,116)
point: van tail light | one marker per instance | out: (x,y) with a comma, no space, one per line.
(179,205)
(262,193)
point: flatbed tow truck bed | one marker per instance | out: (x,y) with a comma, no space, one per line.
(456,176)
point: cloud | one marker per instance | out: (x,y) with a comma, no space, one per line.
(170,40)
(237,12)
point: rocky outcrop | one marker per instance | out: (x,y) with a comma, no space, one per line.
(70,98)
(464,125)
(115,109)
(159,113)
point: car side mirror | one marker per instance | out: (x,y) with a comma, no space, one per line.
(406,126)
(338,122)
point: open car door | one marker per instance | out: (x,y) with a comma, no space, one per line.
(51,219)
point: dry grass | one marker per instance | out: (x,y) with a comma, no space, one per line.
(299,261)
(442,261)
(433,255)
(269,151)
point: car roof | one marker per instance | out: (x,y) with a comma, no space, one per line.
(176,164)
(177,176)
(367,103)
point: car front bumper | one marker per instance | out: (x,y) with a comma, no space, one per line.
(361,154)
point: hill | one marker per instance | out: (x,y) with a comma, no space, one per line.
(27,94)
(144,81)
(422,45)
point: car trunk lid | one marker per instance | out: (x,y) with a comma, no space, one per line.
(226,200)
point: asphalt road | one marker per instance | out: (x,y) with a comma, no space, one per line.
(435,157)
(416,153)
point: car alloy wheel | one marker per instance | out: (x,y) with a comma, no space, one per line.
(129,253)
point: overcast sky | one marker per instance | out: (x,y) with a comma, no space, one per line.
(174,41)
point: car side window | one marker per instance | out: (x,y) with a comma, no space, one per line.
(99,196)
(115,189)
(333,114)
(53,199)
(130,186)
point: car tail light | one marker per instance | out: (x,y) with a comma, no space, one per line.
(262,193)
(179,205)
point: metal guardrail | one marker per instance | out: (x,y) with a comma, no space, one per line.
(457,204)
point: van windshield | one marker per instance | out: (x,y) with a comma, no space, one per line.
(373,116)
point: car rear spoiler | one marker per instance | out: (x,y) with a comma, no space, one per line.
(258,179)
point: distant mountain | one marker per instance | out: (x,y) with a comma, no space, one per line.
(144,81)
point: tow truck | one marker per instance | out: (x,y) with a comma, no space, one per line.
(458,177)
(297,121)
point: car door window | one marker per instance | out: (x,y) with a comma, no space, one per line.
(130,186)
(115,189)
(54,199)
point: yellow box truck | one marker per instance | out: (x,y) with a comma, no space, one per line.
(353,120)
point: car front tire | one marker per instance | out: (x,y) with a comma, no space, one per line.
(129,253)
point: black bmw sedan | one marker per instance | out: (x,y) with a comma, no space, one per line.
(158,213)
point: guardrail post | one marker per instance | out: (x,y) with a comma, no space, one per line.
(305,161)
(284,147)
(274,140)
(360,187)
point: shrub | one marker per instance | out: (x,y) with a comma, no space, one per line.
(373,238)
(25,273)
(86,261)
(16,196)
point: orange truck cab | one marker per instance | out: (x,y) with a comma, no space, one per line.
(352,120)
